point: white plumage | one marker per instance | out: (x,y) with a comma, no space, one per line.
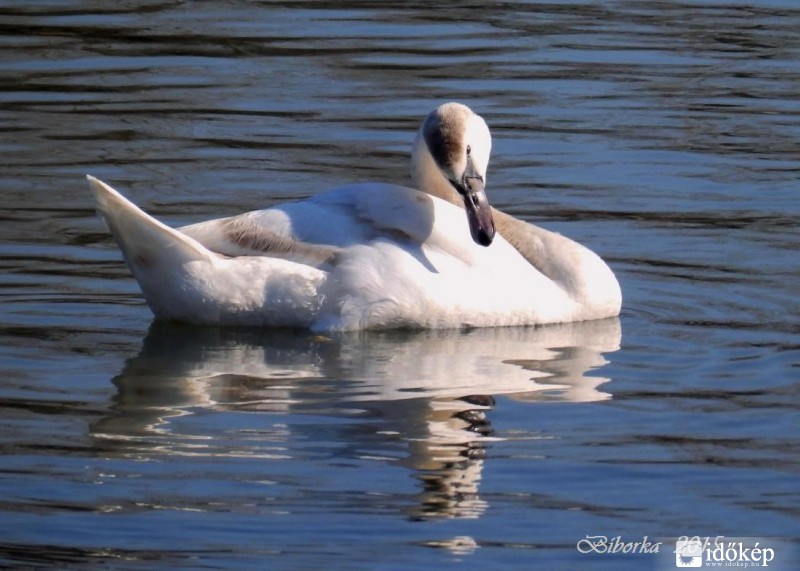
(370,256)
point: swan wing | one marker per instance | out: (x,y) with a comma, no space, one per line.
(316,229)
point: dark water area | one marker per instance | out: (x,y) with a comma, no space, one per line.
(663,135)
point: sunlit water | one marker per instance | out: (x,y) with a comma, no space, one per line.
(664,135)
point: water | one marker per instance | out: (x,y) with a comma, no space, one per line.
(664,135)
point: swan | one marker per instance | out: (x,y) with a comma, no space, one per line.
(370,255)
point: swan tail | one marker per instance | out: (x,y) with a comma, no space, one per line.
(183,280)
(145,242)
(163,260)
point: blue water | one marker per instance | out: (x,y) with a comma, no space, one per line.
(665,136)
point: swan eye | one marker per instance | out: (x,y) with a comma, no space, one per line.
(469,150)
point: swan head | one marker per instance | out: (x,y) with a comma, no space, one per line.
(451,154)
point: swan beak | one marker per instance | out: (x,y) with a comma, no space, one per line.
(479,213)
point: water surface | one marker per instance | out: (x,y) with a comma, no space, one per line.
(664,135)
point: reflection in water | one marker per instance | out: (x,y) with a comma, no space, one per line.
(433,390)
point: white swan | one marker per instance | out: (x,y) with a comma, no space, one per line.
(370,256)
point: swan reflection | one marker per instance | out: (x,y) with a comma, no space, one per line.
(431,390)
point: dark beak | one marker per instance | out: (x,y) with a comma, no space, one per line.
(479,213)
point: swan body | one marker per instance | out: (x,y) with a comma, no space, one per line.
(370,256)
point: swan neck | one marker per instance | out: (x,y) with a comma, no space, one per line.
(426,175)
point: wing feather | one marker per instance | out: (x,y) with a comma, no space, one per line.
(314,231)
